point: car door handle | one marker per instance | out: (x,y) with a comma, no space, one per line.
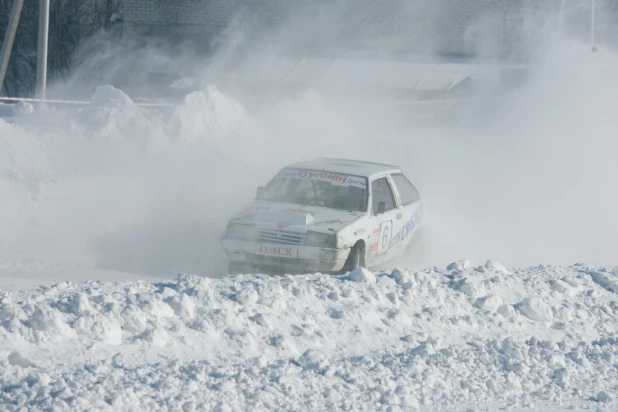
(399,216)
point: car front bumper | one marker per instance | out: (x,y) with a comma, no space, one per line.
(282,258)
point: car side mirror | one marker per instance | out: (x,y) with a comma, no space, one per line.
(259,191)
(381,208)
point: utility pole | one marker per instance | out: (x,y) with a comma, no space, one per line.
(9,37)
(592,12)
(561,16)
(41,61)
(57,36)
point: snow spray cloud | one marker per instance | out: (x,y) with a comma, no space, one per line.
(541,190)
(150,192)
(527,185)
(532,184)
(512,186)
(147,191)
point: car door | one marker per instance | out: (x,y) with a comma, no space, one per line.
(409,200)
(384,223)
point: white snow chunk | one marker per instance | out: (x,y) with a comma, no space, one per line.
(604,397)
(493,266)
(48,323)
(362,275)
(563,314)
(247,297)
(536,309)
(118,359)
(472,288)
(104,329)
(507,311)
(109,96)
(312,359)
(560,286)
(489,303)
(261,320)
(15,358)
(460,265)
(183,305)
(400,276)
(386,281)
(562,377)
(188,406)
(603,280)
(158,337)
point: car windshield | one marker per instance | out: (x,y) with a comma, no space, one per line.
(318,188)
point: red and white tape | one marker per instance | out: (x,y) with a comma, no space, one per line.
(60,101)
(433,101)
(84,102)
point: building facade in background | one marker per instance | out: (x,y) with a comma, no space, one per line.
(494,29)
(487,28)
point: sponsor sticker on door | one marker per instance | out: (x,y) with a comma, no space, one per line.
(277,251)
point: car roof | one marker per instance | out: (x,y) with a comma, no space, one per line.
(350,166)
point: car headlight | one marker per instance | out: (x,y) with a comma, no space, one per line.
(241,231)
(327,240)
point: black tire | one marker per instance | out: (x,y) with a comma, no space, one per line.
(355,259)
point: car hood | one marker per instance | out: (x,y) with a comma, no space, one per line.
(282,215)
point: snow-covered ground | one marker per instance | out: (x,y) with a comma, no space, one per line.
(462,338)
(113,286)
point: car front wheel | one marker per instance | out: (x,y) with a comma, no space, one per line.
(355,259)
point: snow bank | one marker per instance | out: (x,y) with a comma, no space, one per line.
(437,339)
(448,379)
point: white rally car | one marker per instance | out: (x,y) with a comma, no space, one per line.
(328,215)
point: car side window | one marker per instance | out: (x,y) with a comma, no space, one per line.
(381,192)
(406,189)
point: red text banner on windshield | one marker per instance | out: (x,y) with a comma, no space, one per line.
(334,178)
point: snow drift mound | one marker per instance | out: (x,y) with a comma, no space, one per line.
(432,339)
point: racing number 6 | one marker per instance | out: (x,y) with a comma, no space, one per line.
(385,236)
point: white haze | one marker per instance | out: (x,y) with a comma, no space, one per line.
(527,180)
